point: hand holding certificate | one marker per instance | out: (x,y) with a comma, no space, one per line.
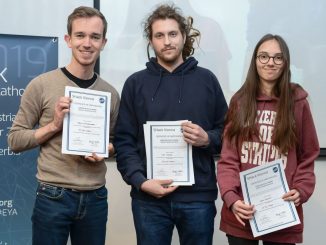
(264,187)
(86,126)
(168,155)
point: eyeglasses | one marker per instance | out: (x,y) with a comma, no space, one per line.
(277,59)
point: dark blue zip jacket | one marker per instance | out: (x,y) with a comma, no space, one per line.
(154,94)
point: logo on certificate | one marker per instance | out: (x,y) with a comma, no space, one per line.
(102,100)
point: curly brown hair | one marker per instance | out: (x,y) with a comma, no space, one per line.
(167,11)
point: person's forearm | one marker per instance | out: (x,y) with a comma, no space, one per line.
(43,134)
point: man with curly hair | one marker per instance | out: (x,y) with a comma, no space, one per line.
(171,88)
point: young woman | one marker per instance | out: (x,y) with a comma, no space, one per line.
(269,118)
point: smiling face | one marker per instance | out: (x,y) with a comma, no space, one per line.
(270,72)
(167,42)
(86,41)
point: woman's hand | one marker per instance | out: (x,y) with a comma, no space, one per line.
(242,211)
(292,195)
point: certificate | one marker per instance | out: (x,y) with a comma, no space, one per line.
(263,187)
(86,126)
(168,155)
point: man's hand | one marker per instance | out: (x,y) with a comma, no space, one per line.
(46,132)
(242,211)
(60,109)
(292,195)
(158,188)
(194,134)
(111,150)
(94,158)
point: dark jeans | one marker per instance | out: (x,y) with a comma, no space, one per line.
(241,241)
(59,212)
(155,221)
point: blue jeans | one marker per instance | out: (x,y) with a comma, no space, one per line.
(60,212)
(154,222)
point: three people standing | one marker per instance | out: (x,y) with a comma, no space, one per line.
(269,118)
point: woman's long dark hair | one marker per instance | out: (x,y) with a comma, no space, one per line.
(241,117)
